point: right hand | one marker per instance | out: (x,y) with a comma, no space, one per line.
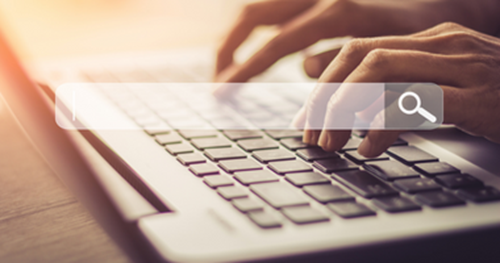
(304,22)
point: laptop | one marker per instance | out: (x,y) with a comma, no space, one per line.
(216,195)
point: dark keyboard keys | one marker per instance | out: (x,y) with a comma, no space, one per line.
(236,135)
(327,193)
(455,181)
(334,165)
(435,168)
(282,134)
(417,185)
(215,181)
(232,192)
(304,215)
(352,144)
(279,194)
(175,149)
(390,170)
(273,155)
(258,144)
(294,166)
(359,159)
(350,209)
(264,219)
(170,138)
(308,178)
(480,194)
(364,184)
(295,144)
(439,199)
(224,154)
(254,177)
(203,169)
(316,153)
(238,165)
(399,142)
(194,134)
(191,158)
(410,155)
(396,204)
(208,143)
(246,205)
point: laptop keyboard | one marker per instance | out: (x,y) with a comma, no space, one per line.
(264,172)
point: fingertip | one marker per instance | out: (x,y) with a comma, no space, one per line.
(312,67)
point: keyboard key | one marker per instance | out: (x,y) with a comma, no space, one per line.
(399,142)
(207,143)
(295,144)
(334,165)
(279,194)
(237,165)
(327,193)
(282,134)
(350,209)
(390,170)
(273,155)
(364,184)
(264,219)
(175,149)
(360,159)
(254,177)
(304,215)
(193,134)
(224,154)
(352,144)
(246,205)
(417,185)
(157,131)
(257,144)
(215,181)
(308,178)
(170,138)
(294,166)
(439,199)
(396,204)
(204,169)
(313,154)
(455,181)
(433,169)
(411,155)
(236,135)
(232,192)
(480,194)
(191,158)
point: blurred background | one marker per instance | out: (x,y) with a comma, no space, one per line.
(42,29)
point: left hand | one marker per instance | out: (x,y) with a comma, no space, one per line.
(464,62)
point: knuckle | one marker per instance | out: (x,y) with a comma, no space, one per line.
(354,48)
(377,58)
(449,25)
(461,40)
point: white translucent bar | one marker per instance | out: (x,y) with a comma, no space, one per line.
(336,106)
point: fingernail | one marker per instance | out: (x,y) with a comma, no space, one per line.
(312,66)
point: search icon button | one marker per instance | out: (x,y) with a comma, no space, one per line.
(418,109)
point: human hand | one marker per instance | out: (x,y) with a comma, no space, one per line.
(304,22)
(464,62)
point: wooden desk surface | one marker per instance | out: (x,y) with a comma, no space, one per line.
(40,220)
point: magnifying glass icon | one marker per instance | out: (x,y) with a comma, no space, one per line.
(418,109)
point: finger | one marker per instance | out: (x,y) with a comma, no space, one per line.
(253,15)
(376,142)
(315,65)
(385,66)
